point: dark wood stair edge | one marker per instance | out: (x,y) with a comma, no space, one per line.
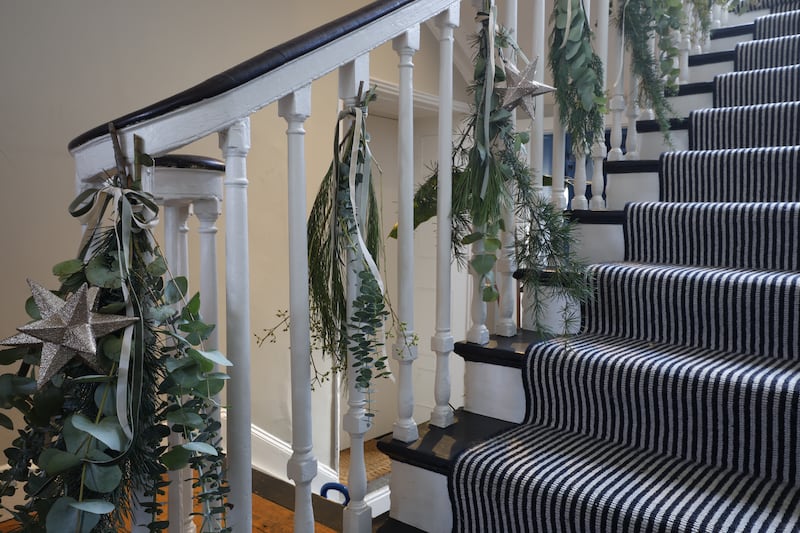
(631,167)
(501,351)
(708,58)
(732,31)
(199,162)
(437,448)
(699,87)
(596,217)
(650,125)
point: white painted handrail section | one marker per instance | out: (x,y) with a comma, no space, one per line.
(442,342)
(405,350)
(235,144)
(302,467)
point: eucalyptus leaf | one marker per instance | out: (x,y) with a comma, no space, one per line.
(98,507)
(472,237)
(157,267)
(185,417)
(103,270)
(489,294)
(75,439)
(105,399)
(108,431)
(93,378)
(214,356)
(160,314)
(112,347)
(200,447)
(67,268)
(63,517)
(55,461)
(102,478)
(31,309)
(175,290)
(482,264)
(492,244)
(6,422)
(112,308)
(176,458)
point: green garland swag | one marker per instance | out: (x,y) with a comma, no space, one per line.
(344,237)
(81,464)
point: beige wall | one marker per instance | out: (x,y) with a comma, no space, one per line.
(68,66)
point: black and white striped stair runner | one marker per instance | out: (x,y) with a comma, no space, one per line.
(677,409)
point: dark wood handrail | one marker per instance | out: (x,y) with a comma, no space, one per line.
(251,68)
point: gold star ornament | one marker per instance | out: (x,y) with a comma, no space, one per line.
(66,329)
(521,88)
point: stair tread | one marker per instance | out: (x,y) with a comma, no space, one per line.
(732,31)
(554,477)
(632,167)
(711,57)
(613,217)
(437,448)
(650,125)
(502,351)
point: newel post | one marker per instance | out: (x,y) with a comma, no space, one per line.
(295,108)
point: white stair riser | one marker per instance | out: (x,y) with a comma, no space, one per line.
(559,314)
(631,187)
(495,391)
(708,71)
(600,243)
(745,18)
(683,105)
(652,143)
(727,43)
(420,498)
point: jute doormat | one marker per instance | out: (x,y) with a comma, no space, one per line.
(378,464)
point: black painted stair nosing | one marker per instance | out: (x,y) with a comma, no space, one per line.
(699,87)
(711,57)
(651,125)
(631,167)
(733,31)
(499,351)
(597,217)
(190,161)
(436,449)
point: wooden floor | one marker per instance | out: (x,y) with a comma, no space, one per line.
(268,517)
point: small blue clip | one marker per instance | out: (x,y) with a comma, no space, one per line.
(338,487)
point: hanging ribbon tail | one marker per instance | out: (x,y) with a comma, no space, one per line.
(373,268)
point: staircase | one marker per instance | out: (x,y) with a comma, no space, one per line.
(678,406)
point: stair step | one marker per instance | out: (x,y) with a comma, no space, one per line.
(691,96)
(724,309)
(764,125)
(768,53)
(631,181)
(759,236)
(536,478)
(735,175)
(652,143)
(502,351)
(702,405)
(726,38)
(777,25)
(764,86)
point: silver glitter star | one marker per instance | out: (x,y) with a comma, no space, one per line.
(66,329)
(521,88)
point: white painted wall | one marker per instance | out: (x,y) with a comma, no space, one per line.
(69,66)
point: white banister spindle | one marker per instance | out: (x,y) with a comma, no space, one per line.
(295,108)
(478,333)
(505,323)
(405,349)
(559,165)
(632,137)
(176,242)
(599,150)
(442,342)
(579,201)
(357,516)
(536,150)
(617,108)
(235,144)
(716,15)
(207,212)
(684,48)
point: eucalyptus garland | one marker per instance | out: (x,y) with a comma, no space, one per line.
(544,240)
(577,74)
(344,240)
(639,21)
(83,459)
